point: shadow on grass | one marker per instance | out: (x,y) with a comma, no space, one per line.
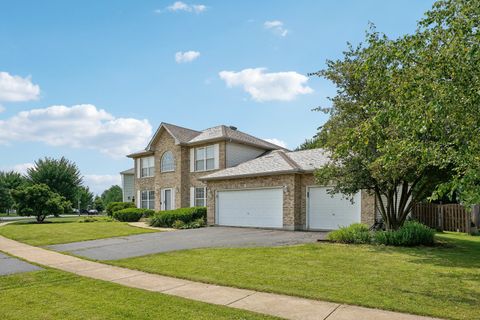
(460,251)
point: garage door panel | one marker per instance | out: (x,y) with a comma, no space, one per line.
(328,213)
(251,208)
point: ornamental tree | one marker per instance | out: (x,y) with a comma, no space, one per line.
(60,175)
(39,201)
(405,119)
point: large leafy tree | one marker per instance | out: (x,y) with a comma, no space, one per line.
(9,181)
(39,201)
(60,175)
(405,119)
(112,194)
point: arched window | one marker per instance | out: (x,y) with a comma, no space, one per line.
(168,162)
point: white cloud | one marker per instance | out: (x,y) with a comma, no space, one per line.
(263,86)
(2,108)
(187,56)
(79,126)
(278,142)
(277,27)
(182,6)
(20,168)
(16,88)
(100,182)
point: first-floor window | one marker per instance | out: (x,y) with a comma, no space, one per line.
(200,197)
(148,199)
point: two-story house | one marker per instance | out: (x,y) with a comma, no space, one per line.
(167,172)
(242,180)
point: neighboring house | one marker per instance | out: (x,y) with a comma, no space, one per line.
(128,185)
(243,181)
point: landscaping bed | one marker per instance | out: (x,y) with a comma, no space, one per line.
(441,281)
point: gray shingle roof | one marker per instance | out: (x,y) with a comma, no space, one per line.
(129,171)
(183,135)
(225,132)
(275,162)
(187,136)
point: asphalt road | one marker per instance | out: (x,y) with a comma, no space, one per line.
(9,265)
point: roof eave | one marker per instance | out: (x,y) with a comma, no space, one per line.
(141,153)
(252,175)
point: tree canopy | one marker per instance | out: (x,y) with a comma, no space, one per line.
(9,181)
(85,197)
(405,119)
(112,194)
(39,201)
(60,175)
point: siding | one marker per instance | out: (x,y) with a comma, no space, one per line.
(238,153)
(128,187)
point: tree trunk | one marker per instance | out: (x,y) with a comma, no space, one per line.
(395,204)
(40,218)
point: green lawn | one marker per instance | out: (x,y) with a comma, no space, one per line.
(8,215)
(64,230)
(442,281)
(53,294)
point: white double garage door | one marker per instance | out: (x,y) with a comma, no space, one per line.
(263,208)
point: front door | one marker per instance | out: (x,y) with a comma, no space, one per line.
(167,199)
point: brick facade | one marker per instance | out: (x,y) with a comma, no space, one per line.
(179,180)
(294,197)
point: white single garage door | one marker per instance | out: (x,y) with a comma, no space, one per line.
(250,208)
(328,213)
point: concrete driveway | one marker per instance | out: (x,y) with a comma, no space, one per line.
(143,244)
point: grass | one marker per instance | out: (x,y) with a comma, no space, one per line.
(8,215)
(53,294)
(65,230)
(442,281)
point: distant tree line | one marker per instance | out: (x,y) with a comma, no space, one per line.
(51,187)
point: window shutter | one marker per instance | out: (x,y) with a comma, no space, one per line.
(139,199)
(162,200)
(192,159)
(173,199)
(205,195)
(138,168)
(192,197)
(216,148)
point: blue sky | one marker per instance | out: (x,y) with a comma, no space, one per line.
(116,69)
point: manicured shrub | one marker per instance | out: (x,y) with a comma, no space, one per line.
(147,213)
(116,206)
(185,215)
(199,223)
(129,214)
(412,233)
(355,233)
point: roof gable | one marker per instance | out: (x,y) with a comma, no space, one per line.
(180,134)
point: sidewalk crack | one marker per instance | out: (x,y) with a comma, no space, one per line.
(335,309)
(248,295)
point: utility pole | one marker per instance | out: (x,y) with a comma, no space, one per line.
(79,211)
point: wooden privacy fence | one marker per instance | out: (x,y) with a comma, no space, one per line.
(445,217)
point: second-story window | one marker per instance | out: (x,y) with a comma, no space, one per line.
(147,167)
(205,158)
(167,163)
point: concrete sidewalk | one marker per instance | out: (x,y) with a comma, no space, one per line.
(272,304)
